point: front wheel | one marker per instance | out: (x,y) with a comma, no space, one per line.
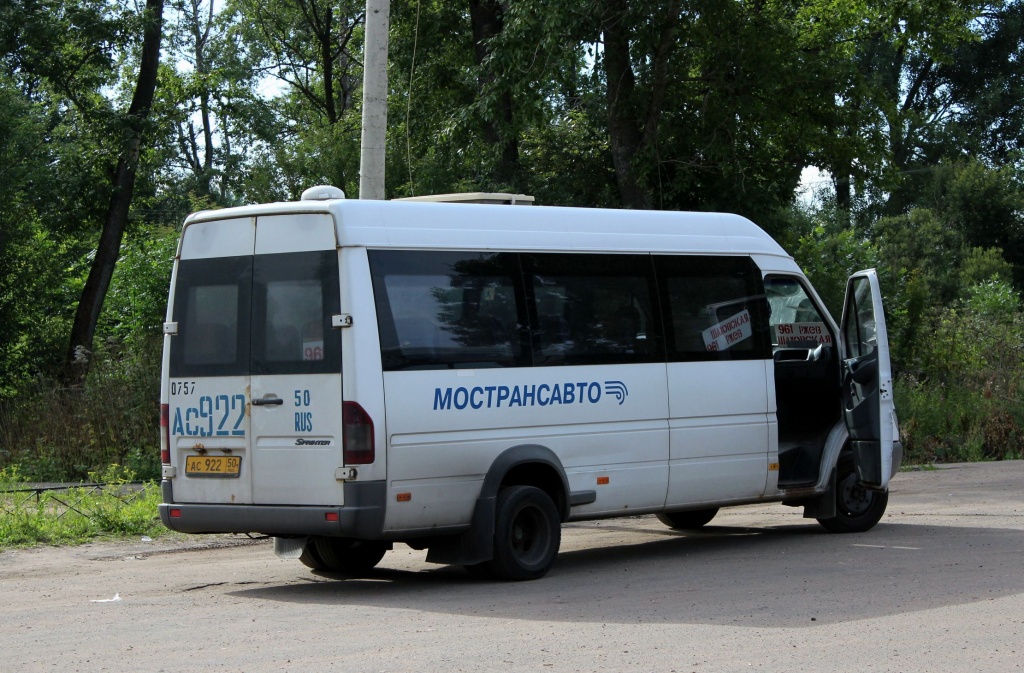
(527,534)
(857,508)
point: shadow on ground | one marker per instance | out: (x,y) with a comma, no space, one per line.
(766,577)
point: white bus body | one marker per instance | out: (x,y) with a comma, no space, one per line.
(343,375)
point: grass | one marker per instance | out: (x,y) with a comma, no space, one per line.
(957,424)
(119,508)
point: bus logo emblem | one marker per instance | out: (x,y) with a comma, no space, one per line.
(616,389)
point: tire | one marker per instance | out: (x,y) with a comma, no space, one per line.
(527,534)
(349,557)
(310,558)
(480,571)
(687,520)
(857,509)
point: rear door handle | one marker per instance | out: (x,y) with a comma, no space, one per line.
(265,401)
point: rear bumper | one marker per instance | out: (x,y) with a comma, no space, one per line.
(361,517)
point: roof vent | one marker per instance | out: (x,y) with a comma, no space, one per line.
(475,197)
(322,193)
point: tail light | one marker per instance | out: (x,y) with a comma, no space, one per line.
(165,434)
(357,438)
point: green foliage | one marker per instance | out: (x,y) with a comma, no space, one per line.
(828,254)
(961,396)
(58,434)
(567,163)
(986,206)
(948,425)
(136,303)
(994,300)
(118,508)
(984,264)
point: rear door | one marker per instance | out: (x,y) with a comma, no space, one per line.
(208,400)
(867,380)
(255,366)
(295,362)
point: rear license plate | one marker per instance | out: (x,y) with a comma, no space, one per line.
(212,466)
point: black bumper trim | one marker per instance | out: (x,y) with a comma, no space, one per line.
(361,517)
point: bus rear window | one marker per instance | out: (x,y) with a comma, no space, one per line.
(212,337)
(211,307)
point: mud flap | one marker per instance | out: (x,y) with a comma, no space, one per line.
(824,506)
(476,545)
(289,547)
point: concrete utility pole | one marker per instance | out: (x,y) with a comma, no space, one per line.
(375,100)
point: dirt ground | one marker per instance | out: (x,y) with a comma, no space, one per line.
(937,586)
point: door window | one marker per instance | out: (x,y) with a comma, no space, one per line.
(860,334)
(211,307)
(294,297)
(795,320)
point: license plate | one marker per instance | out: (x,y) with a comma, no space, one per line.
(212,466)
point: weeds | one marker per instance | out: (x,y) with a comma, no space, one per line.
(118,507)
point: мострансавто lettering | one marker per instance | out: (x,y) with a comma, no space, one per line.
(531,395)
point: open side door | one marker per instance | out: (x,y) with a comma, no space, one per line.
(867,380)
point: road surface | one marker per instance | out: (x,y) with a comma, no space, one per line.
(938,585)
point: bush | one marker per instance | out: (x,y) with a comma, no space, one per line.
(960,398)
(62,434)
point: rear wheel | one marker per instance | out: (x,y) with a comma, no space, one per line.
(857,508)
(527,534)
(687,520)
(480,571)
(310,558)
(348,556)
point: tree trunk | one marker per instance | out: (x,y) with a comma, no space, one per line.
(623,128)
(83,330)
(486,17)
(326,36)
(632,127)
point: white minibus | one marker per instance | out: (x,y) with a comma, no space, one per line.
(464,378)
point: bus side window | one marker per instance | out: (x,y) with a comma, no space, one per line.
(446,309)
(591,309)
(715,308)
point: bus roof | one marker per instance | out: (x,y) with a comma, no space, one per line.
(425,225)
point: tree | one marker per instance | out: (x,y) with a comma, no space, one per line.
(31,263)
(487,18)
(213,121)
(123,185)
(311,47)
(986,80)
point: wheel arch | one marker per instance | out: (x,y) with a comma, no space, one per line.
(521,465)
(837,441)
(529,465)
